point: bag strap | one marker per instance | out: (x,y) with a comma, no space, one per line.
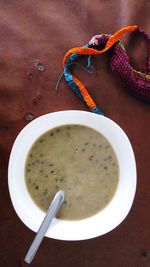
(76,85)
(91,51)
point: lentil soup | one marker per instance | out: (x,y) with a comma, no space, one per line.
(78,160)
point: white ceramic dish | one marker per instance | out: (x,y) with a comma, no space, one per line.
(102,222)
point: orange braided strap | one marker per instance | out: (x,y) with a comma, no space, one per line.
(91,51)
(87,98)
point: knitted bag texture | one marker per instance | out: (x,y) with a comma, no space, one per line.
(137,82)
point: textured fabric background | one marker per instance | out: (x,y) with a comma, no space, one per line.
(43,31)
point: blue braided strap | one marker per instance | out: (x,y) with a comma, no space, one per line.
(97,111)
(71,83)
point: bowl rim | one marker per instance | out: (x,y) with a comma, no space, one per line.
(96,225)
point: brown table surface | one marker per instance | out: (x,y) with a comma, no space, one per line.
(42,31)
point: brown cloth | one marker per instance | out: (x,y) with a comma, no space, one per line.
(41,32)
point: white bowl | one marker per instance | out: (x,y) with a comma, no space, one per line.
(99,224)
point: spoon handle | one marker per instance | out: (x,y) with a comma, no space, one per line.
(52,211)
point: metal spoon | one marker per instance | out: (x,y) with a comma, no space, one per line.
(52,211)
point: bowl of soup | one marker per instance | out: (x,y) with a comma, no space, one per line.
(89,157)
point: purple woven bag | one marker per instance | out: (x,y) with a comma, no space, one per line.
(137,82)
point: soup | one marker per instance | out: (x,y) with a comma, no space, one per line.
(78,160)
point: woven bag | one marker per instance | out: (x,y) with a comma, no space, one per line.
(137,82)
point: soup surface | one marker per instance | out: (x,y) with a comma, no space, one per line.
(78,160)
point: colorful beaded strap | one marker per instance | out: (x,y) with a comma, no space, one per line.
(137,81)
